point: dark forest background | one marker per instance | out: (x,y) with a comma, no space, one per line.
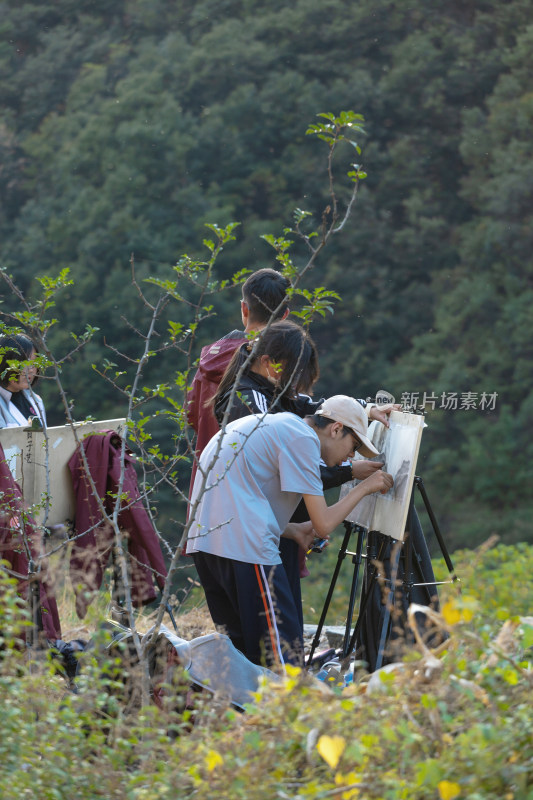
(126,126)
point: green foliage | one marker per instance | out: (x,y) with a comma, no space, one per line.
(14,617)
(481,319)
(126,127)
(464,732)
(497,578)
(332,131)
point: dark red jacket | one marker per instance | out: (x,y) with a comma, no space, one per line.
(15,525)
(214,359)
(213,362)
(90,552)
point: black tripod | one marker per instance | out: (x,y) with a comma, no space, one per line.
(416,558)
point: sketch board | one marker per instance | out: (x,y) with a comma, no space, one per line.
(398,446)
(26,453)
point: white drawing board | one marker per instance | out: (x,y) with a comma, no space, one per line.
(41,474)
(398,446)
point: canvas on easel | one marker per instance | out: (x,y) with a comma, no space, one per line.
(39,464)
(398,447)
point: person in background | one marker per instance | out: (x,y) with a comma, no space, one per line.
(18,401)
(282,365)
(264,296)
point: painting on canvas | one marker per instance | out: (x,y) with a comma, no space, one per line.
(398,448)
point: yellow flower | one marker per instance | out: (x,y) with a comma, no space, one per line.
(213,759)
(348,780)
(292,671)
(459,609)
(451,613)
(448,790)
(331,749)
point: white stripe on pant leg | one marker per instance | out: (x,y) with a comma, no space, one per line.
(272,612)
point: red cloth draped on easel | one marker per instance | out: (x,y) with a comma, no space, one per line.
(19,538)
(91,550)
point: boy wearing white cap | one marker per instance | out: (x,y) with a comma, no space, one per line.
(265,465)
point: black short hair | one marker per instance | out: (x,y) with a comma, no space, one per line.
(263,291)
(18,347)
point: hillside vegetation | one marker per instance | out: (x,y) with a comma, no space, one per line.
(126,126)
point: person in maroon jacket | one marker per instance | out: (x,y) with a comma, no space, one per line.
(264,294)
(22,552)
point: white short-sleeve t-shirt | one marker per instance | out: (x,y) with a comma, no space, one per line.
(265,464)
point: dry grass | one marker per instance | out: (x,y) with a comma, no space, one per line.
(193,622)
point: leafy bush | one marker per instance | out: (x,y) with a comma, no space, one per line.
(462,729)
(498,578)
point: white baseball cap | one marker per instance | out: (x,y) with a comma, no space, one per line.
(341,408)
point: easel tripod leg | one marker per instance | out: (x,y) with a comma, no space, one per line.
(357,560)
(340,558)
(444,550)
(385,625)
(366,594)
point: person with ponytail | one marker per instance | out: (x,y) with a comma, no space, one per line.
(281,367)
